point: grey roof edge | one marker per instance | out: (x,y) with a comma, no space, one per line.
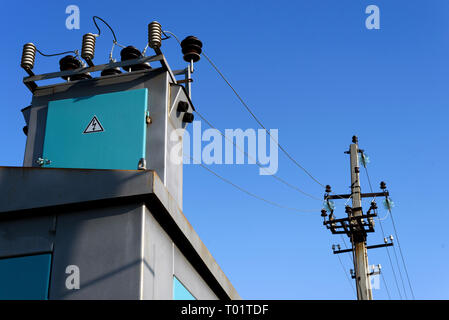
(24,189)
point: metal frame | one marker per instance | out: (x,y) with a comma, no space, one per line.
(351,224)
(187,73)
(30,81)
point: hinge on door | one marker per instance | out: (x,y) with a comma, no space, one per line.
(41,161)
(147,117)
(142,164)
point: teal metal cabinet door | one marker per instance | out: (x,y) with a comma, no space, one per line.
(106,131)
(25,278)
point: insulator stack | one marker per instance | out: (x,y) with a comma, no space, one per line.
(71,63)
(182,106)
(28,56)
(191,48)
(348,210)
(111,71)
(154,35)
(131,53)
(323,213)
(88,48)
(188,117)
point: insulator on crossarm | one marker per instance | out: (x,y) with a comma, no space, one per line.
(88,48)
(191,48)
(154,35)
(348,210)
(28,56)
(132,53)
(72,63)
(111,71)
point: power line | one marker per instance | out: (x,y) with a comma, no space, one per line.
(99,31)
(57,54)
(400,251)
(252,194)
(386,248)
(400,273)
(386,287)
(257,162)
(391,263)
(252,113)
(399,246)
(258,121)
(346,247)
(344,271)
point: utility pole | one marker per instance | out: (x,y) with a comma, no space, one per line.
(356,225)
(359,238)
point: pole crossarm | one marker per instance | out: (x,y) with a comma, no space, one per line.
(363,195)
(368,247)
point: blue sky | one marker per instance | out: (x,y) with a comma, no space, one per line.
(312,70)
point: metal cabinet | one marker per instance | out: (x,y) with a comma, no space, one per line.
(105,131)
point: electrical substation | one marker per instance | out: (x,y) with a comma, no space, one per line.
(96,210)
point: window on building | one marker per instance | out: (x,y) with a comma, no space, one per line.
(25,278)
(180,292)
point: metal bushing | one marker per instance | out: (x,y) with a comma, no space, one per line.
(131,53)
(71,63)
(191,48)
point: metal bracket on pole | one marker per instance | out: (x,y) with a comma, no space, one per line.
(187,79)
(368,247)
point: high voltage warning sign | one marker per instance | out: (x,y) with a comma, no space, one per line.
(94,126)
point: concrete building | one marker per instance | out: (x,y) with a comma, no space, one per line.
(96,210)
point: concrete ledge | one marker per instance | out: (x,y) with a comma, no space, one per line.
(24,188)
